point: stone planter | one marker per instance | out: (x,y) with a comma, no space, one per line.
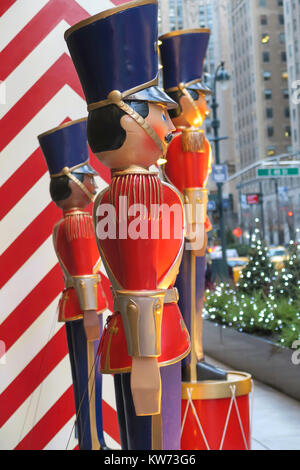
(260,357)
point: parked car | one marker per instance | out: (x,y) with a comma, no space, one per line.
(215,252)
(278,255)
(237,264)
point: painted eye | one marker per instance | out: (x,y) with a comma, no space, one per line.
(164,117)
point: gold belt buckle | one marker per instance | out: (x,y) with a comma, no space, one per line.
(171,296)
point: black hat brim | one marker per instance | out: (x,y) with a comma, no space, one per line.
(153,94)
(199,86)
(85,169)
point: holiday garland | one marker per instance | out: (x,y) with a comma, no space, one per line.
(278,319)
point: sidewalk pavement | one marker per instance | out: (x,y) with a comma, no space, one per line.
(276,417)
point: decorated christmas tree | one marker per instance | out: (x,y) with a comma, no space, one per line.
(287,281)
(258,275)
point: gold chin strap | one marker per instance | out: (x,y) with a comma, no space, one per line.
(66,171)
(115,97)
(186,93)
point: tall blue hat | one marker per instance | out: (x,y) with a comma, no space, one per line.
(66,147)
(117,50)
(182,56)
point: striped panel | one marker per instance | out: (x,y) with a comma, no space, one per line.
(42,91)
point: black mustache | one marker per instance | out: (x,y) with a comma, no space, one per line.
(168,138)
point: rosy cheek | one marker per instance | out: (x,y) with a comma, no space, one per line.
(148,143)
(161,128)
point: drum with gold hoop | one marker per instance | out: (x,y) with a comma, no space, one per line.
(216,414)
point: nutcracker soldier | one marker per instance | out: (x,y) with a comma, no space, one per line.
(145,339)
(206,390)
(72,188)
(189,161)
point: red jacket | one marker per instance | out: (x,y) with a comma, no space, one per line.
(77,252)
(144,264)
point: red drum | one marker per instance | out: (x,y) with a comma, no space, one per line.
(216,414)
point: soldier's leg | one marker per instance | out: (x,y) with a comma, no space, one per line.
(70,341)
(171,406)
(139,428)
(158,432)
(87,383)
(121,411)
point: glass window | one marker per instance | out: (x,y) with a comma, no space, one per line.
(263,20)
(283,56)
(286,93)
(267,75)
(268,94)
(282,38)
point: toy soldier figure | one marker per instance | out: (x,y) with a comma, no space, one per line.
(72,188)
(207,393)
(189,161)
(116,57)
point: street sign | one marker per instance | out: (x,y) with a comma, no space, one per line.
(253,199)
(277,172)
(226,204)
(244,201)
(211,206)
(283,194)
(219,173)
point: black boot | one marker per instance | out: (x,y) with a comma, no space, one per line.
(207,371)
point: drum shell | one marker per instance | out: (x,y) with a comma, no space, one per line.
(213,415)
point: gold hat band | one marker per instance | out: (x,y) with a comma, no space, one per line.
(124,94)
(186,85)
(62,126)
(183,32)
(106,13)
(61,173)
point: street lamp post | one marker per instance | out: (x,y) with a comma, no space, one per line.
(220,75)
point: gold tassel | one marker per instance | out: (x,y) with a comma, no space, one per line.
(193,140)
(79,226)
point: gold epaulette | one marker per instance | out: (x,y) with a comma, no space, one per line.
(193,140)
(131,183)
(78,225)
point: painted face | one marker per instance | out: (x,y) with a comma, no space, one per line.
(139,147)
(78,198)
(193,112)
(90,184)
(160,121)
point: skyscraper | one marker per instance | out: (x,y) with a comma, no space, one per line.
(292,33)
(259,70)
(260,99)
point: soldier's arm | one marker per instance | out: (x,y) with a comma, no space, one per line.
(81,243)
